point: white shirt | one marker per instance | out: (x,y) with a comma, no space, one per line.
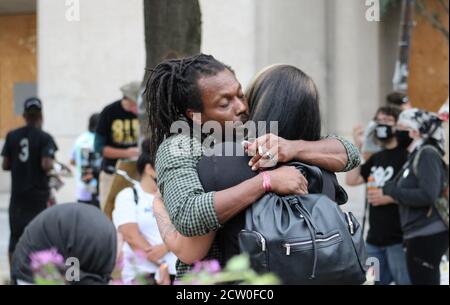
(127,211)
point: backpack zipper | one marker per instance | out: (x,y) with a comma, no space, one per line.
(261,238)
(350,223)
(263,241)
(308,242)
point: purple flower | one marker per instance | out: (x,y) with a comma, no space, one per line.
(212,266)
(120,263)
(46,257)
(117,282)
(198,266)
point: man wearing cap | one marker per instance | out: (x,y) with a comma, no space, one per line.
(116,135)
(28,153)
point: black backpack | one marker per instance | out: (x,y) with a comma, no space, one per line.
(305,239)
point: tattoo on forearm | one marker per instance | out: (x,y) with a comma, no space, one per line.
(165,226)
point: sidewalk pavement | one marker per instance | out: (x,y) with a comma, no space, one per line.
(4,237)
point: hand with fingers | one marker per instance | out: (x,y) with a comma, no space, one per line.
(156,253)
(268,150)
(287,180)
(376,197)
(164,276)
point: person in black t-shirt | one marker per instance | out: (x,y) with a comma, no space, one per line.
(385,236)
(28,153)
(116,135)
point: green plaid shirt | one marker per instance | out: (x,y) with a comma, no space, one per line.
(191,210)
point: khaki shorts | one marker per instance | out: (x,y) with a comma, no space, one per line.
(106,181)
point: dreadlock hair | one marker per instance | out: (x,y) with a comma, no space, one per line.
(171,89)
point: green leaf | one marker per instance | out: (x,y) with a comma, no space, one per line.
(266,279)
(238,263)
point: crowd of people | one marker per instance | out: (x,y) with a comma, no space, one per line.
(191,199)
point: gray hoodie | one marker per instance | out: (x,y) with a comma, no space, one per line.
(416,194)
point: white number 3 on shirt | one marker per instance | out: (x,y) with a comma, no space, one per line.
(24,150)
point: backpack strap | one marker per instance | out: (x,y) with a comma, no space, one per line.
(135,195)
(416,160)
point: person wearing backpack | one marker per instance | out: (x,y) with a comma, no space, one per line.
(218,171)
(419,189)
(143,250)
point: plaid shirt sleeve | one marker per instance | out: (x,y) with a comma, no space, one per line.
(353,155)
(191,210)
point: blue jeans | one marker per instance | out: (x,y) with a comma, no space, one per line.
(392,265)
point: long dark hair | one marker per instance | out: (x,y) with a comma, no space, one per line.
(171,89)
(286,94)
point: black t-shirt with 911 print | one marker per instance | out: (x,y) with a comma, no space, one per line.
(384,221)
(119,128)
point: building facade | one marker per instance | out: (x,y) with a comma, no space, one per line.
(78,53)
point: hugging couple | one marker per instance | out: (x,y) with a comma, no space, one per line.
(204,196)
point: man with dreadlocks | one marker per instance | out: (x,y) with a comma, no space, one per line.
(175,90)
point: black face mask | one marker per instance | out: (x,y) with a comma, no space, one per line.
(383,132)
(403,138)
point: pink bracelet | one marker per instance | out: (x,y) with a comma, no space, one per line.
(266,182)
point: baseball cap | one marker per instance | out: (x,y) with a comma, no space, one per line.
(131,90)
(32,102)
(397,98)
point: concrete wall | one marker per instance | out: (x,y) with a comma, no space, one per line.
(82,64)
(330,40)
(294,32)
(353,75)
(388,37)
(228,33)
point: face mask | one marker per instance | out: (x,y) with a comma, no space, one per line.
(403,138)
(383,132)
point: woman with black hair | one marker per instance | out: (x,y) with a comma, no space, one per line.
(416,189)
(280,93)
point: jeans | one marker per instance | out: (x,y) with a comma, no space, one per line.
(392,264)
